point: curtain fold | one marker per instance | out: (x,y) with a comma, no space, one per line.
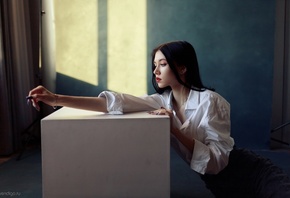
(19,69)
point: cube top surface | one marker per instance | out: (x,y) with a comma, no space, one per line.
(66,113)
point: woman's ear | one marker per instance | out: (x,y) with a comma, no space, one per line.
(182,70)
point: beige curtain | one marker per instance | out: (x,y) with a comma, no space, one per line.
(19,70)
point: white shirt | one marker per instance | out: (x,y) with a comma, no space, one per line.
(207,122)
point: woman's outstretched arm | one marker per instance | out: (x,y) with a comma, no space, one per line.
(41,94)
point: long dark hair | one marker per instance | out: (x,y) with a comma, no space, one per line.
(180,53)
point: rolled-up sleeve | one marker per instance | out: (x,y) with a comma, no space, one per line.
(211,154)
(114,102)
(119,103)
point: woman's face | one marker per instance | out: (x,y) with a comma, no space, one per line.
(163,73)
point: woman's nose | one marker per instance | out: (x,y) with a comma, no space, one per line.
(156,70)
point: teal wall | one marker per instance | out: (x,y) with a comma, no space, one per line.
(234,41)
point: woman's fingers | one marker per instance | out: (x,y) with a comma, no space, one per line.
(40,94)
(161,111)
(35,105)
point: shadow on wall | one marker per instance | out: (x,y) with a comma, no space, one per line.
(71,86)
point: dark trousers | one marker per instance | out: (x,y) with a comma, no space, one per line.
(248,176)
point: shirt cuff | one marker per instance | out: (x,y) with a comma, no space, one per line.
(114,102)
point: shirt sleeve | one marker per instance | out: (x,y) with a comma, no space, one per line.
(119,103)
(210,155)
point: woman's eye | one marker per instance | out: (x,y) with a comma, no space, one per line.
(163,64)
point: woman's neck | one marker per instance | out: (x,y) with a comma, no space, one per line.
(180,96)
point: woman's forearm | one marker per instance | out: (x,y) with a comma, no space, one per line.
(80,102)
(41,94)
(188,143)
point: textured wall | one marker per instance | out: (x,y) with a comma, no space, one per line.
(234,41)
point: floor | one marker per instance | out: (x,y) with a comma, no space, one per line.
(23,177)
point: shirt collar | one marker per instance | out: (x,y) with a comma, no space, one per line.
(170,104)
(192,101)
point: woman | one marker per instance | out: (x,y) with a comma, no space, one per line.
(200,118)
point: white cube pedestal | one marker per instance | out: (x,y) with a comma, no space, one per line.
(91,154)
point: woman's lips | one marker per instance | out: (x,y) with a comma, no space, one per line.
(158,79)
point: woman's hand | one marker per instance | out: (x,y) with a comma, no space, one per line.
(188,143)
(163,111)
(42,94)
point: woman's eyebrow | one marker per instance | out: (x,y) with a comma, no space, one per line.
(160,60)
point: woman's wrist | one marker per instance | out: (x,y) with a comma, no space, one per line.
(55,101)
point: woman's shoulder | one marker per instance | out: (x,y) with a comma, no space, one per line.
(212,95)
(209,93)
